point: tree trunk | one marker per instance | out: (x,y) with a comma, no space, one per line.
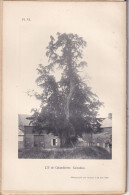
(69,129)
(68,99)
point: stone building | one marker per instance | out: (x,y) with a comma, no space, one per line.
(103,138)
(28,139)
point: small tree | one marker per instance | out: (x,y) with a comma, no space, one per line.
(68,106)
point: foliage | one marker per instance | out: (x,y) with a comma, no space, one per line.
(68,106)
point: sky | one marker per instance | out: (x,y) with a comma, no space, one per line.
(100,53)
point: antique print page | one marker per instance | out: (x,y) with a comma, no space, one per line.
(64,97)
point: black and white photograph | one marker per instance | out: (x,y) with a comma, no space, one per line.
(67,119)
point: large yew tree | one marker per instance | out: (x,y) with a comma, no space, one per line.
(68,106)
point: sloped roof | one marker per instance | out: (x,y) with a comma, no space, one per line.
(23,121)
(20,132)
(107,122)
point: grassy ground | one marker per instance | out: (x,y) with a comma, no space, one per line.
(65,153)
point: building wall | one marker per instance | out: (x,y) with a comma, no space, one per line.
(40,140)
(20,145)
(20,141)
(98,139)
(49,141)
(29,140)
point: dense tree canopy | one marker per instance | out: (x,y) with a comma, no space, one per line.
(68,106)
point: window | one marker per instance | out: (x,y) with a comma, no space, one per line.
(20,138)
(53,142)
